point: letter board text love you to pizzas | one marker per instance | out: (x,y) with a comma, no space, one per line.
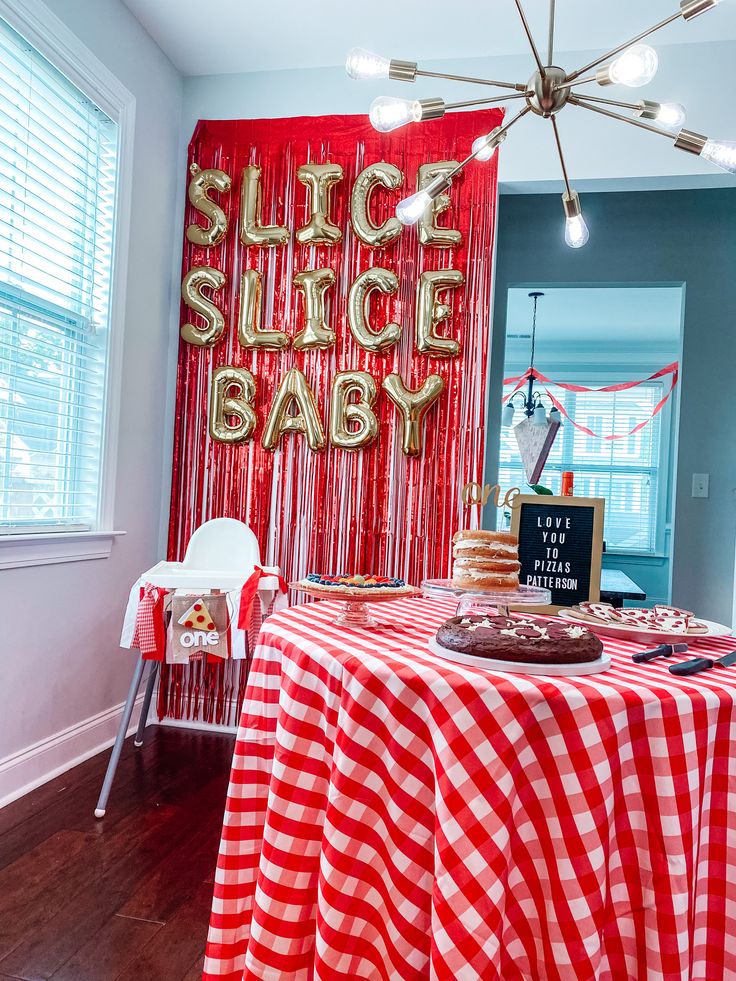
(560,545)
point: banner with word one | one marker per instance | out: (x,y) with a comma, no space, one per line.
(332,364)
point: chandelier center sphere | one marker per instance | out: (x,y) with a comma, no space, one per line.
(546,99)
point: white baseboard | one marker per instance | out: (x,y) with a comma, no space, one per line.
(37,764)
(201,726)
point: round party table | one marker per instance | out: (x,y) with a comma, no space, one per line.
(392,815)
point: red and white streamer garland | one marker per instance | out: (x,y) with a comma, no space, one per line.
(673,370)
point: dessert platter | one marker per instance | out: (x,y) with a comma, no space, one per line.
(355,591)
(658,624)
(485,573)
(521,645)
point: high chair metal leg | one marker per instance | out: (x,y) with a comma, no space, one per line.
(150,684)
(120,738)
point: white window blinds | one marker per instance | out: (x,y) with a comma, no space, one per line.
(57,194)
(626,472)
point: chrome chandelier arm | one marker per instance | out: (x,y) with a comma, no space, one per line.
(499,135)
(622,47)
(579,100)
(551,33)
(553,120)
(516,86)
(530,37)
(609,102)
(488,102)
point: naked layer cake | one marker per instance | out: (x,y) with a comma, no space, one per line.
(524,640)
(486,561)
(356,584)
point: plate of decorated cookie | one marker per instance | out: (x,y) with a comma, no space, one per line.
(658,624)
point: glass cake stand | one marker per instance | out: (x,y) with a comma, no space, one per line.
(355,612)
(471,601)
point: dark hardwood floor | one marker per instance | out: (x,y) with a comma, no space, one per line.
(122,899)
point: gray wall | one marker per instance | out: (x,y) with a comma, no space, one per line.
(61,661)
(672,236)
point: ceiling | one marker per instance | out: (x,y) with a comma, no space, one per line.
(243,36)
(586,317)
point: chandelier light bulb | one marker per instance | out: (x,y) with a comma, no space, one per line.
(722,153)
(507,416)
(576,232)
(539,418)
(672,116)
(637,66)
(387,113)
(485,146)
(362,64)
(411,209)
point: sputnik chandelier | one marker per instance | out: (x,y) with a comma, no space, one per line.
(549,90)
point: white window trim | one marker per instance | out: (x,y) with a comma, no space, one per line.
(56,42)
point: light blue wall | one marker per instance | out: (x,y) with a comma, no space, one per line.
(654,237)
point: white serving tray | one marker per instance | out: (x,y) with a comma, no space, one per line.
(644,635)
(516,667)
(174,575)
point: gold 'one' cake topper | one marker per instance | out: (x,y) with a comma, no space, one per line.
(475,493)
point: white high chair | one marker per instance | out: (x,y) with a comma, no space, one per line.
(221,554)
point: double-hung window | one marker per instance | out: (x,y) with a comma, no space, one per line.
(629,473)
(58,168)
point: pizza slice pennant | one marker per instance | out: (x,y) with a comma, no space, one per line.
(197,617)
(535,444)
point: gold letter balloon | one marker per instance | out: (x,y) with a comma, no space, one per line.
(430,313)
(191,287)
(413,405)
(316,334)
(250,333)
(294,389)
(353,425)
(428,232)
(224,405)
(377,175)
(203,181)
(252,232)
(365,283)
(319,178)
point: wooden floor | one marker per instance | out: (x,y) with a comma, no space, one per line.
(122,899)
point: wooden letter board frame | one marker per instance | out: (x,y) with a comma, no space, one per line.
(597,504)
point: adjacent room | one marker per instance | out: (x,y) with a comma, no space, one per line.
(367,491)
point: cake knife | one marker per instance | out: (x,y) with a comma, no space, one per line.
(702,664)
(664,650)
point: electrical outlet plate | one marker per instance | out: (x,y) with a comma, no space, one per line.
(701,484)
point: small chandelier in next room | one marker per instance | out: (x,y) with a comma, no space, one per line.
(549,90)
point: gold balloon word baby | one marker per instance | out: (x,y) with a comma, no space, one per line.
(352,422)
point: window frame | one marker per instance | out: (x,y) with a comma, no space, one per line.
(594,376)
(51,37)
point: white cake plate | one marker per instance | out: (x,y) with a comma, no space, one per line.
(517,667)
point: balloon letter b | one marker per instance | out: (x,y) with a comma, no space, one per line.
(342,412)
(224,405)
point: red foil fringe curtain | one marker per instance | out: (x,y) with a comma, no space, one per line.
(375,510)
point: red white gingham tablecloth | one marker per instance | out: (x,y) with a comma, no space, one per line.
(394,816)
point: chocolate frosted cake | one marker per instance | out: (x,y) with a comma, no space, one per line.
(521,640)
